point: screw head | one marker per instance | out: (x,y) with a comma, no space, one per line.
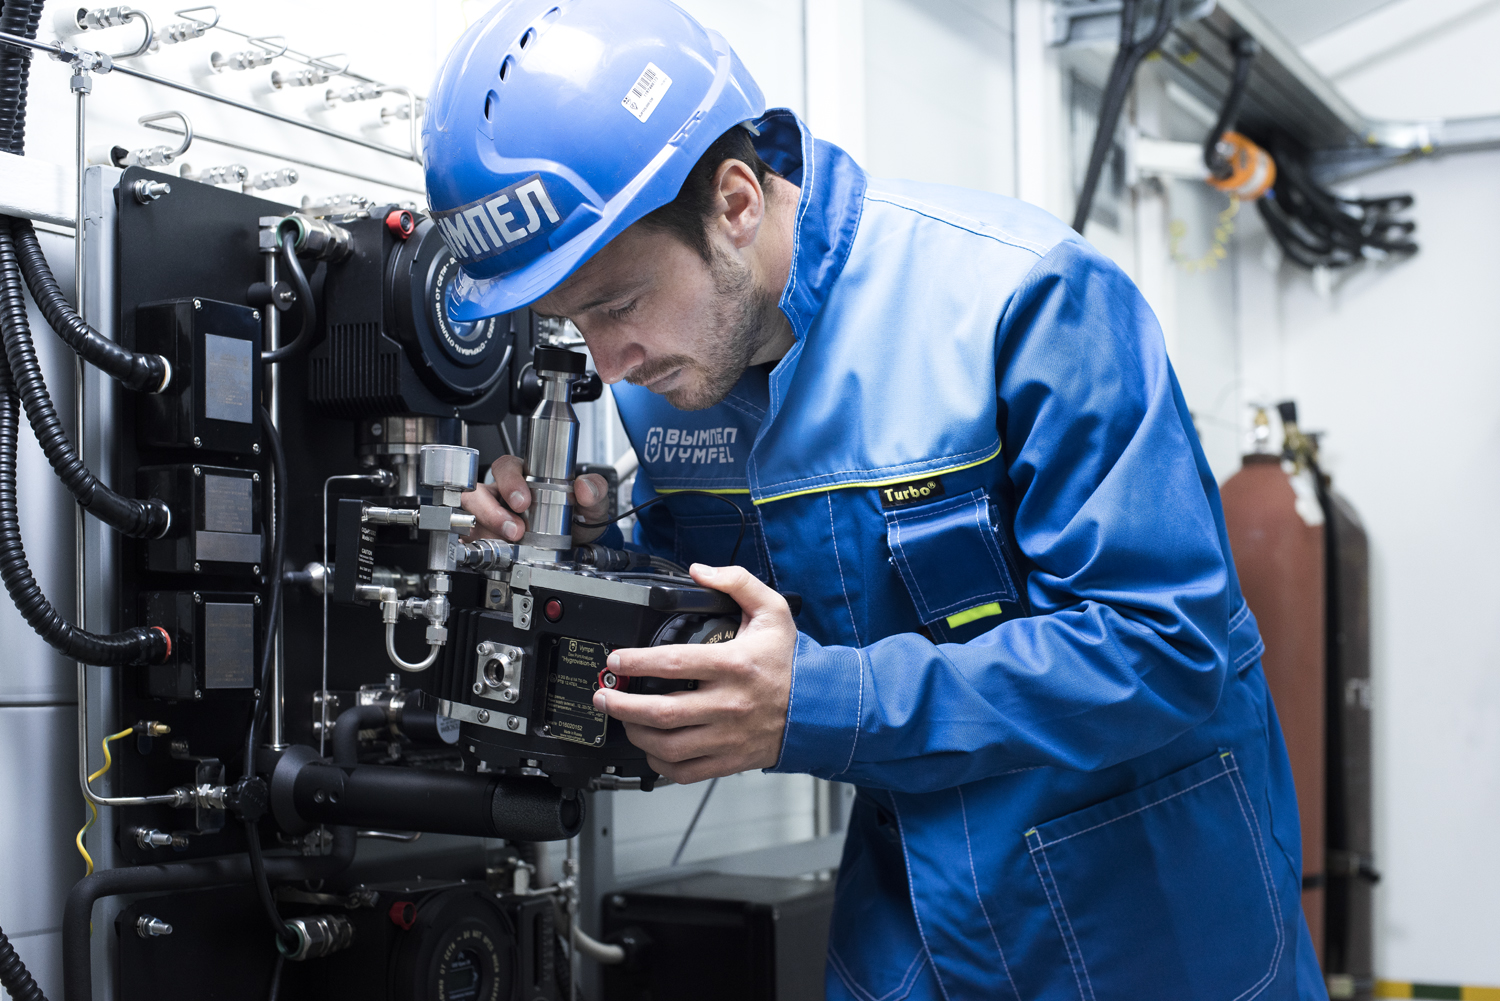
(197,693)
(255,448)
(257,693)
(197,303)
(376,429)
(197,598)
(509,695)
(598,741)
(255,568)
(254,477)
(197,470)
(478,688)
(197,567)
(197,442)
(484,715)
(511,723)
(257,599)
(255,313)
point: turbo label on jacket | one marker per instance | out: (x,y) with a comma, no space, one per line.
(911,492)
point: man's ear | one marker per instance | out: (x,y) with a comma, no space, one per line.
(741,205)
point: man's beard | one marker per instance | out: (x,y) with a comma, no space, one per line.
(741,326)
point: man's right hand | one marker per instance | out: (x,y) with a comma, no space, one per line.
(499,508)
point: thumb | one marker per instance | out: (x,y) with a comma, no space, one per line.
(747,590)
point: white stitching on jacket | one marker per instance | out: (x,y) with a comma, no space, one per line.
(963,808)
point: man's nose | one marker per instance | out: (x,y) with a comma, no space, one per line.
(613,363)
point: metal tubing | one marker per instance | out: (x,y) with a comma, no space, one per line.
(285,119)
(261,151)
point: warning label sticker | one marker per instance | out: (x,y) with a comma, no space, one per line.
(571,685)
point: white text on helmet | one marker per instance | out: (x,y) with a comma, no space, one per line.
(489,226)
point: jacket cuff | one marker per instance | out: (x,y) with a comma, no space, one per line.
(613,537)
(823,714)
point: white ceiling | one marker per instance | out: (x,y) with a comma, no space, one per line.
(1300,21)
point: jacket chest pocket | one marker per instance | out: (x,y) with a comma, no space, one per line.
(711,538)
(952,559)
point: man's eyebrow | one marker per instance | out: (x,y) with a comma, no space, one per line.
(611,293)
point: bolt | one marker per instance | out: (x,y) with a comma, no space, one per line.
(478,688)
(484,715)
(197,598)
(255,313)
(197,693)
(255,448)
(531,762)
(609,769)
(197,303)
(254,477)
(257,693)
(320,796)
(197,470)
(197,442)
(257,600)
(598,740)
(376,429)
(197,568)
(148,927)
(483,649)
(495,595)
(511,723)
(509,695)
(255,568)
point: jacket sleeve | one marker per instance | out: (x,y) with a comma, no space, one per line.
(1127,579)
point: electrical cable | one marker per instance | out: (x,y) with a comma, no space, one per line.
(304,338)
(1121,74)
(1245,50)
(138,645)
(733,555)
(143,519)
(279,489)
(1318,229)
(93,812)
(275,990)
(142,372)
(682,845)
(14,977)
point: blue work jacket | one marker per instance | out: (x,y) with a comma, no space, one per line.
(1021,637)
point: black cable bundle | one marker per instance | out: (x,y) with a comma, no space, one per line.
(1318,229)
(1121,75)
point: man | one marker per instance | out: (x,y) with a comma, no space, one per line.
(954,429)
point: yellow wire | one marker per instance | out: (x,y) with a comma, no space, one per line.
(1217,252)
(94,813)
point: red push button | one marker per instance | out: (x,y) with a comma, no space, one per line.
(553,609)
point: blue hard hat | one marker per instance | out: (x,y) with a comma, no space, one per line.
(555,124)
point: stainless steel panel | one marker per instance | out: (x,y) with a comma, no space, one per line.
(40,812)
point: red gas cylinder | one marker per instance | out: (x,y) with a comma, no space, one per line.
(1278,549)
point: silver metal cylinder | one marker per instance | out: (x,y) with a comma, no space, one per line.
(551,454)
(394,443)
(318,935)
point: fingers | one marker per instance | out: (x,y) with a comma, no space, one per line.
(747,590)
(700,662)
(666,712)
(492,519)
(591,505)
(510,482)
(696,770)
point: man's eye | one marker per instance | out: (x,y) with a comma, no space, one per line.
(623,311)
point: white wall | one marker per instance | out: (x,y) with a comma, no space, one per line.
(1398,365)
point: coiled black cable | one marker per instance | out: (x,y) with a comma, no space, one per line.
(1317,228)
(144,519)
(142,372)
(14,976)
(140,645)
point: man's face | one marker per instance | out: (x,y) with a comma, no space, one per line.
(655,314)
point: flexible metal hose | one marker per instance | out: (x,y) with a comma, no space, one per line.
(14,977)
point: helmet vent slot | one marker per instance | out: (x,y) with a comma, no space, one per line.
(528,38)
(506,67)
(490,100)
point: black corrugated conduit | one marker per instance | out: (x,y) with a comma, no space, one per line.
(143,519)
(145,373)
(14,976)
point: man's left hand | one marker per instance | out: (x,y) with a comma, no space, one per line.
(735,719)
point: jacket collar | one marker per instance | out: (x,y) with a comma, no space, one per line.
(828,210)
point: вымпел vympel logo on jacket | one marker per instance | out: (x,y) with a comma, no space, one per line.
(700,445)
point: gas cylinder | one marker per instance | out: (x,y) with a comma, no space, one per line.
(1275,527)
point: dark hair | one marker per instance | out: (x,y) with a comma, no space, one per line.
(686,215)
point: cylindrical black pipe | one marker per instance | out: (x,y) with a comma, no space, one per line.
(14,976)
(142,372)
(77,978)
(143,519)
(412,799)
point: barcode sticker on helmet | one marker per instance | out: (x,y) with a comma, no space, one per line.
(650,87)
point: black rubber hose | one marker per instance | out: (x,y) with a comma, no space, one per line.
(346,731)
(304,338)
(14,976)
(141,645)
(142,372)
(1245,50)
(143,519)
(77,975)
(1121,74)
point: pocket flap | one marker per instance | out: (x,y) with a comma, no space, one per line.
(950,557)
